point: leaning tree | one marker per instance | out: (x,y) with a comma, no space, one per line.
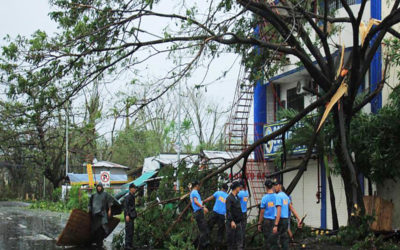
(102,39)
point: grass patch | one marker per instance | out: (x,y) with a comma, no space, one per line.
(77,199)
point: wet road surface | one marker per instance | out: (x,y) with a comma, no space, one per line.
(23,228)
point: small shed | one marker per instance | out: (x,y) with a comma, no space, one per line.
(118,174)
(82,179)
(114,168)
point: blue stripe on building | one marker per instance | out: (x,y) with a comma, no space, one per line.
(260,110)
(260,114)
(376,64)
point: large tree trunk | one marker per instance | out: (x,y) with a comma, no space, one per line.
(354,209)
(348,170)
(335,221)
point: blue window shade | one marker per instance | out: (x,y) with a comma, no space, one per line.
(141,181)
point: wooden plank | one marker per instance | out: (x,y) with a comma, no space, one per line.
(77,229)
(382,211)
(387,213)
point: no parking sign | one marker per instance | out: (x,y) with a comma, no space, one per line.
(105,178)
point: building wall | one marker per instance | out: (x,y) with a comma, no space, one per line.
(305,200)
(340,200)
(270,105)
(119,171)
(344,36)
(304,195)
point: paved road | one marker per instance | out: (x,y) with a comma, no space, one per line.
(22,228)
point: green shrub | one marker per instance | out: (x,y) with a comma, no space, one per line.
(118,240)
(77,198)
(350,234)
(374,243)
(6,193)
(56,195)
(49,205)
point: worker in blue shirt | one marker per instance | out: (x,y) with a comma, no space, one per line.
(218,214)
(270,215)
(199,210)
(244,198)
(284,221)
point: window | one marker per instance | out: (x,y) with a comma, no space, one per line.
(294,101)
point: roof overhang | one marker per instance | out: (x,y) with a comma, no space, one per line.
(301,72)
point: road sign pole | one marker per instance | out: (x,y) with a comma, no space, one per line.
(90,174)
(66,141)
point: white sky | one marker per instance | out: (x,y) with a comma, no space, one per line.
(26,16)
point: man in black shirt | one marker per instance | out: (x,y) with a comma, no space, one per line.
(130,215)
(234,217)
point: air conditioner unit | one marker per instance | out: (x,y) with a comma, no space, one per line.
(303,83)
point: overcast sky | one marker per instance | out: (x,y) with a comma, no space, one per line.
(26,16)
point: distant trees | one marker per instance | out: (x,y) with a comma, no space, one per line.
(207,119)
(154,129)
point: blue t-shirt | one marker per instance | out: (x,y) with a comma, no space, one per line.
(220,200)
(269,203)
(244,197)
(284,200)
(195,194)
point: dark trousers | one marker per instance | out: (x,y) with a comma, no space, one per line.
(129,229)
(234,238)
(203,228)
(283,233)
(99,234)
(244,224)
(270,239)
(98,230)
(218,219)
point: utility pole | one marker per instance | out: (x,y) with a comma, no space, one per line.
(66,140)
(127,106)
(179,126)
(179,135)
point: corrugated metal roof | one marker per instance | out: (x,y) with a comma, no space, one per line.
(154,163)
(107,164)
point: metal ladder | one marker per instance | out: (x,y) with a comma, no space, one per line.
(237,126)
(236,134)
